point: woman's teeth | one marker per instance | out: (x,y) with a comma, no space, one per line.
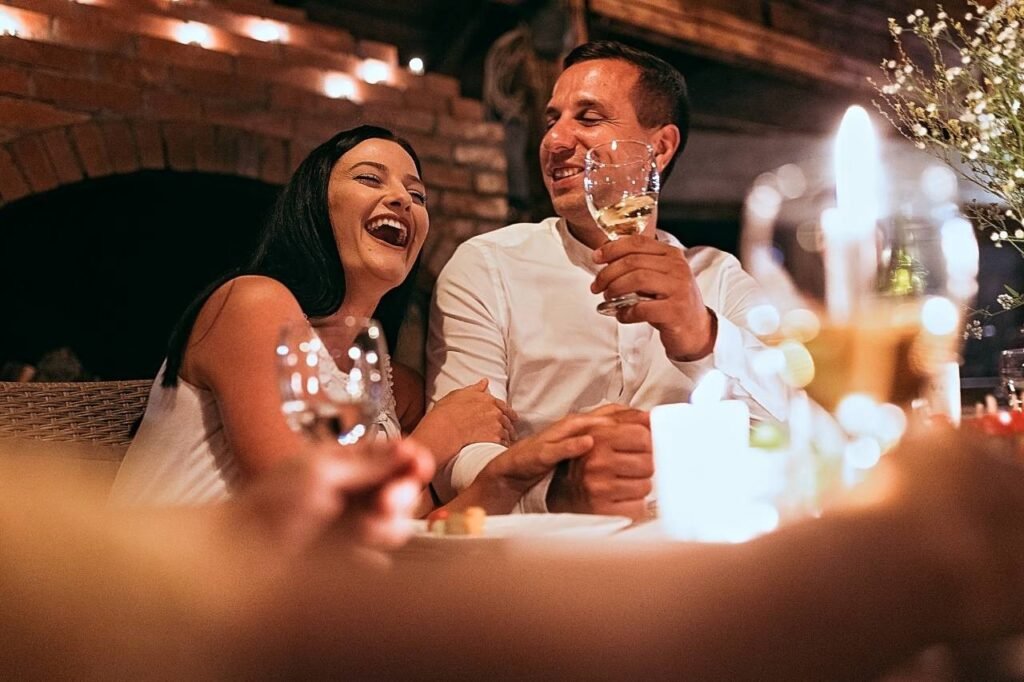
(389,231)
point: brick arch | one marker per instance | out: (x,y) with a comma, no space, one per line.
(41,161)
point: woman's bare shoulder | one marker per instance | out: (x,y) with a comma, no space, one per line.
(244,311)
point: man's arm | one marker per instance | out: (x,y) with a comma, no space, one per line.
(465,343)
(732,295)
(701,300)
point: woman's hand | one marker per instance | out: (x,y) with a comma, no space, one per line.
(508,476)
(466,415)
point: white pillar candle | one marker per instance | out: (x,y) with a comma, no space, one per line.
(706,477)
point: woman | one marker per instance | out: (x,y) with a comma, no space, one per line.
(342,241)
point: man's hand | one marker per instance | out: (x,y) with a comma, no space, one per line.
(612,478)
(639,264)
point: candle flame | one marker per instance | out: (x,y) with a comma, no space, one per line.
(858,173)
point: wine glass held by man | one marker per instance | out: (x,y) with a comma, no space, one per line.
(342,241)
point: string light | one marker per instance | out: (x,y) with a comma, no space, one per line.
(192,33)
(374,71)
(267,31)
(9,25)
(416,66)
(339,86)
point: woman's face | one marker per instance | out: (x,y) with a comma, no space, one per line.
(377,205)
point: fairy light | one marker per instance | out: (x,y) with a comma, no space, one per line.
(9,25)
(339,86)
(416,66)
(374,71)
(267,31)
(193,33)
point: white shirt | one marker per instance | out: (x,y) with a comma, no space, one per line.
(515,306)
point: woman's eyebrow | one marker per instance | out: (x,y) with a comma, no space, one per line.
(379,166)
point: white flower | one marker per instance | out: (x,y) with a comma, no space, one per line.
(911,18)
(920,130)
(1005,300)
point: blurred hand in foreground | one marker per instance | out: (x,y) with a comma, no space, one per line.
(365,492)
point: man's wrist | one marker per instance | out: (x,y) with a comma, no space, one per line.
(709,345)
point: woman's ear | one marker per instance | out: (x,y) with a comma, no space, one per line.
(665,142)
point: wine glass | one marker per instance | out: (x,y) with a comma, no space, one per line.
(332,380)
(866,279)
(621,184)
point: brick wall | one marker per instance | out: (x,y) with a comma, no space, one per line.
(102,87)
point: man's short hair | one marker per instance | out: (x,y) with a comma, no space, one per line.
(659,96)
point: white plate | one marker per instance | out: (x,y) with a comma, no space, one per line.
(535,525)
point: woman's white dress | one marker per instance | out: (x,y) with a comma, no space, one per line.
(180,455)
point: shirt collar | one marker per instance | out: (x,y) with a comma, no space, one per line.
(578,252)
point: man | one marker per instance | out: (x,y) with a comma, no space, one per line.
(517,306)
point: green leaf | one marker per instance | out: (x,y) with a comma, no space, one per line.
(1009,290)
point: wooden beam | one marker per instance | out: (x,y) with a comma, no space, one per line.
(725,35)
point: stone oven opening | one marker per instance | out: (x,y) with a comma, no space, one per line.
(104,267)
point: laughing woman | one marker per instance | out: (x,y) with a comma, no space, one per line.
(342,241)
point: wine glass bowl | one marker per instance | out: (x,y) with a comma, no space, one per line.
(884,308)
(621,185)
(332,380)
(865,320)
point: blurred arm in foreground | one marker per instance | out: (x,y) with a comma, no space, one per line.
(932,552)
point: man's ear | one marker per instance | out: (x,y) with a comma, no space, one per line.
(665,142)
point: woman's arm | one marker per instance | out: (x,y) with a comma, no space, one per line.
(410,402)
(231,353)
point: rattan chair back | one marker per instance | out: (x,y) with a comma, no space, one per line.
(100,412)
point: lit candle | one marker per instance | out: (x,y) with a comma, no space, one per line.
(706,477)
(849,229)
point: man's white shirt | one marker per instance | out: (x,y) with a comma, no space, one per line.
(515,306)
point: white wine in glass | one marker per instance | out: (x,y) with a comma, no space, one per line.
(628,216)
(621,185)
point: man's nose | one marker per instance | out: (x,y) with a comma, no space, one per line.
(558,138)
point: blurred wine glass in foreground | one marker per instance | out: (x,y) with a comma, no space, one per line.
(867,275)
(333,381)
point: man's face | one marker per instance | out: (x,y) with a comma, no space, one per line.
(591,104)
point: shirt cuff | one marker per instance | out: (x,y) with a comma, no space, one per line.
(728,354)
(535,501)
(462,469)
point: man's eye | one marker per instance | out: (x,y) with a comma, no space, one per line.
(591,119)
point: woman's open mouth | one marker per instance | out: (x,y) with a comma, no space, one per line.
(390,231)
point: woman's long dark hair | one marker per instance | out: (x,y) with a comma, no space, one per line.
(297,248)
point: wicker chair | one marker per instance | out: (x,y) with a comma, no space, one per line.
(100,412)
